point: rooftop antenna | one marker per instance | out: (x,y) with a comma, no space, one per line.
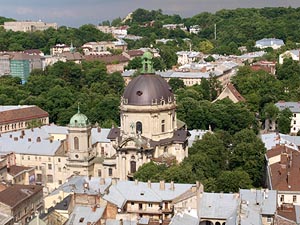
(215,31)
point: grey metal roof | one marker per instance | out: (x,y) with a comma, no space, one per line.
(13,107)
(268,42)
(25,141)
(297,210)
(272,139)
(185,219)
(117,222)
(86,214)
(255,203)
(76,184)
(4,218)
(195,135)
(293,106)
(130,191)
(100,136)
(176,74)
(146,88)
(217,205)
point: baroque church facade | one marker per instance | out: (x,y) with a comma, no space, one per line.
(149,128)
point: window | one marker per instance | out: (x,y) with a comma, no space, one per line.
(110,172)
(49,166)
(282,198)
(58,160)
(50,178)
(99,173)
(132,167)
(269,219)
(294,121)
(139,127)
(102,151)
(294,198)
(59,169)
(28,157)
(163,126)
(76,143)
(49,159)
(294,114)
(150,205)
(38,177)
(132,203)
(59,181)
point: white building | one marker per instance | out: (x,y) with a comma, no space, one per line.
(295,109)
(29,26)
(294,54)
(269,43)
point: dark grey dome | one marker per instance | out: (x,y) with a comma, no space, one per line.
(148,89)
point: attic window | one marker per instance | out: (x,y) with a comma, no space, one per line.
(139,93)
(81,220)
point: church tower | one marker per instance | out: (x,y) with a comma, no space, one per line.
(149,129)
(80,151)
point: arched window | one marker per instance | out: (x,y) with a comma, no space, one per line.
(132,167)
(139,127)
(163,126)
(76,143)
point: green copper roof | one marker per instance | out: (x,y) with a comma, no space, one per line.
(147,63)
(79,120)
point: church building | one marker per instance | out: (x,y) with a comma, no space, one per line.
(149,127)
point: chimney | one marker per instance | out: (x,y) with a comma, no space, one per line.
(90,177)
(38,139)
(121,221)
(172,186)
(149,183)
(136,182)
(114,181)
(99,129)
(94,207)
(23,133)
(162,185)
(15,138)
(50,140)
(10,135)
(29,139)
(102,181)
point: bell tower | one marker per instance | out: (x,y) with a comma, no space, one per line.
(80,151)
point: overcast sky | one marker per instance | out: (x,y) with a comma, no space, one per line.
(78,12)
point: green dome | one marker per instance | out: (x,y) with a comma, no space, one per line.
(147,55)
(79,120)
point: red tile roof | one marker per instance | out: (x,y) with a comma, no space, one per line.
(14,170)
(285,173)
(107,59)
(22,114)
(235,92)
(17,193)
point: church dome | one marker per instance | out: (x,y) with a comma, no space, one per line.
(79,120)
(148,89)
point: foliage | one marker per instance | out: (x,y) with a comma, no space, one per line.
(176,83)
(284,121)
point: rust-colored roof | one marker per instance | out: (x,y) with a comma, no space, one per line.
(17,193)
(235,92)
(285,173)
(287,211)
(14,170)
(107,59)
(280,220)
(22,114)
(134,53)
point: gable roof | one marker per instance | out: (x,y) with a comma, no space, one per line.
(17,193)
(11,114)
(230,89)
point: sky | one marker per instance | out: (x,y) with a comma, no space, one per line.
(75,13)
